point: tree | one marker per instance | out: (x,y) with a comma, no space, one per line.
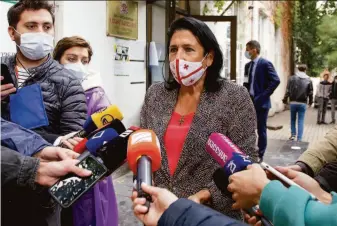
(327,33)
(308,15)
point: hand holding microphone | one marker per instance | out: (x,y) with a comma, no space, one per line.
(144,157)
(95,121)
(247,186)
(161,200)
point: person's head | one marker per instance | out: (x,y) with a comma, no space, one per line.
(192,47)
(253,49)
(326,77)
(74,53)
(72,50)
(31,27)
(302,67)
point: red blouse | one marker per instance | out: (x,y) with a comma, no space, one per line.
(175,136)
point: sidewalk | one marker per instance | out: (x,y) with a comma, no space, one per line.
(312,131)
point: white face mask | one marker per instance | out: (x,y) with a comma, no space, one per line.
(36,46)
(248,56)
(79,69)
(187,73)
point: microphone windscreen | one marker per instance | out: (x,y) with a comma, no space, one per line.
(143,143)
(114,153)
(106,115)
(115,124)
(221,180)
(99,139)
(80,147)
(221,148)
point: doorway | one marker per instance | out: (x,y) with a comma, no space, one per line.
(223,27)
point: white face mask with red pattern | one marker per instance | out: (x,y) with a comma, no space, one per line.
(187,73)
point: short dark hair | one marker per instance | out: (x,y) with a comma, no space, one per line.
(253,44)
(70,42)
(14,13)
(208,41)
(302,67)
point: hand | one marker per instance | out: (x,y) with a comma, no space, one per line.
(306,182)
(55,154)
(252,220)
(49,173)
(247,186)
(295,167)
(71,142)
(201,197)
(161,198)
(6,89)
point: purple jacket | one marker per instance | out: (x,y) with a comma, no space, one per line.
(97,207)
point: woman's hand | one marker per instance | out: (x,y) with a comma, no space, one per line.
(201,197)
(306,182)
(247,186)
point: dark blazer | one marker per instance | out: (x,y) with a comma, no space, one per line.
(266,81)
(229,111)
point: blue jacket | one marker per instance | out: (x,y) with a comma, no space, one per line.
(266,81)
(20,139)
(294,206)
(184,212)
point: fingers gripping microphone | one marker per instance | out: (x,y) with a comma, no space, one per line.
(98,120)
(144,157)
(116,124)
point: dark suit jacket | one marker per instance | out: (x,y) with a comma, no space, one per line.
(266,81)
(229,111)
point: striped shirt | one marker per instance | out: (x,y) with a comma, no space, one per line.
(22,76)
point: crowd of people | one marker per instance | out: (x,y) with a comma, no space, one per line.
(52,92)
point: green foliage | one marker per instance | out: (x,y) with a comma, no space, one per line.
(219,4)
(307,18)
(278,15)
(327,33)
(205,10)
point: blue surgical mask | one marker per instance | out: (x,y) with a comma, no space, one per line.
(248,56)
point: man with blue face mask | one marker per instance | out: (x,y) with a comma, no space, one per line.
(261,80)
(50,96)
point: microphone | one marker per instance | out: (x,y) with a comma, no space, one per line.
(231,160)
(98,120)
(114,153)
(227,154)
(99,139)
(144,157)
(116,124)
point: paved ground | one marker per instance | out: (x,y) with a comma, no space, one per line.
(280,151)
(312,131)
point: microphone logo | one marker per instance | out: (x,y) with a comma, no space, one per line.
(126,133)
(232,167)
(221,154)
(106,119)
(98,135)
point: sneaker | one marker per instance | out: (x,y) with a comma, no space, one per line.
(319,123)
(324,123)
(293,137)
(333,122)
(260,159)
